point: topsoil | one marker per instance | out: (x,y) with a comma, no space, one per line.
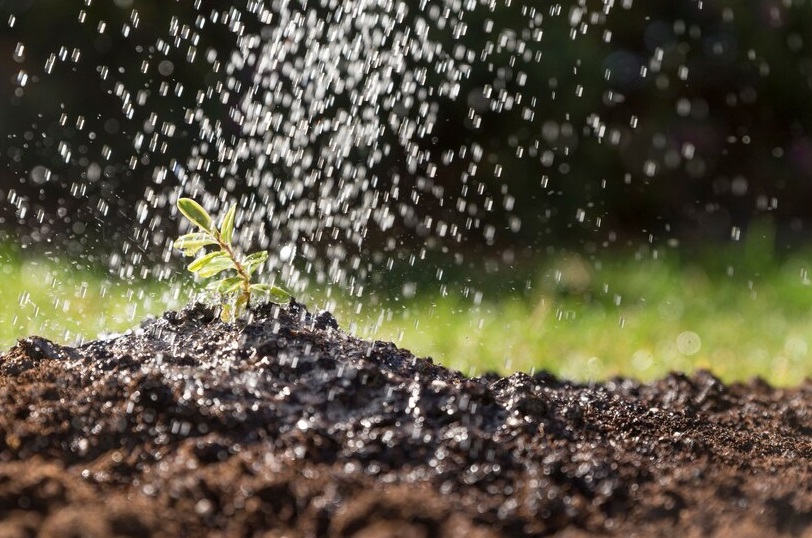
(285,425)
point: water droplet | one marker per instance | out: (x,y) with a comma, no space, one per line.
(689,343)
(735,233)
(19,53)
(22,78)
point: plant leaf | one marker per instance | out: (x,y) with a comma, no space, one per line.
(274,291)
(197,264)
(254,260)
(195,213)
(227,227)
(203,261)
(226,286)
(234,308)
(215,266)
(191,243)
(240,305)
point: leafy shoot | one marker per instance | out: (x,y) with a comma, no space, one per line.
(235,287)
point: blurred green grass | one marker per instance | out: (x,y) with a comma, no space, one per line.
(738,314)
(735,310)
(640,319)
(70,304)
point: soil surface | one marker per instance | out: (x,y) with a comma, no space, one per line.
(287,426)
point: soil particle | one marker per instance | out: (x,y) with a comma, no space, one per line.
(284,425)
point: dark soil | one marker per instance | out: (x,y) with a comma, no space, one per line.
(288,426)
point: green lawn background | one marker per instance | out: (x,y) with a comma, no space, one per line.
(738,313)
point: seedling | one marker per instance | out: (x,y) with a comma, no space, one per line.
(235,290)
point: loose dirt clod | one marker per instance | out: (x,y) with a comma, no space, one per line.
(285,424)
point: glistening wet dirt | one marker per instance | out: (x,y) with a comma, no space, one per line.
(286,425)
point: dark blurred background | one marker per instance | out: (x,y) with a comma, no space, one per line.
(651,122)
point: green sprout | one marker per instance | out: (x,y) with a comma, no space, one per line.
(235,290)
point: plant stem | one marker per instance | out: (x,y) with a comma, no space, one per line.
(244,276)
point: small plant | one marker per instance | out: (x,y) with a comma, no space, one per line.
(235,290)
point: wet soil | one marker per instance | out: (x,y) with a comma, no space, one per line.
(287,426)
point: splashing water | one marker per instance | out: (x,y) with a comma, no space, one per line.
(336,125)
(328,108)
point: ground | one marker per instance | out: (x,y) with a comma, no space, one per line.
(284,425)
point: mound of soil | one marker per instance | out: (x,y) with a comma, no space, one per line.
(286,425)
